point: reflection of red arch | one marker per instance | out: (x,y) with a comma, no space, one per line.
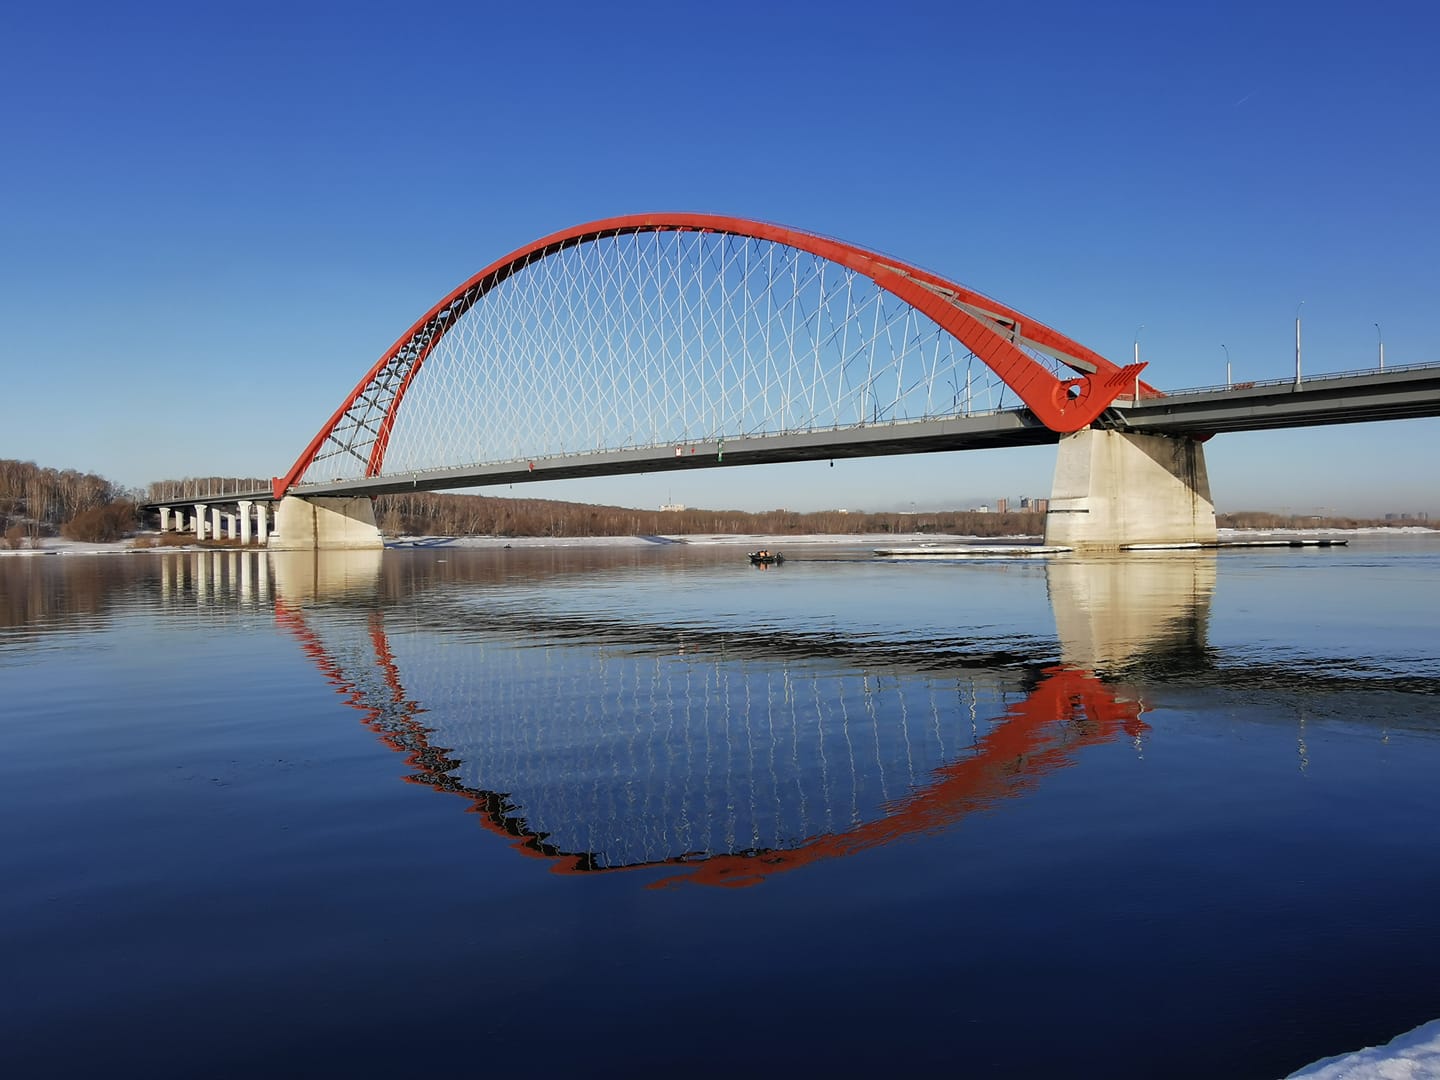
(987,328)
(1067,710)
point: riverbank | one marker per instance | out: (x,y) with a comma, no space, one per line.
(142,545)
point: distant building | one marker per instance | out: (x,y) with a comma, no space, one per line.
(1040,506)
(1002,506)
(672,506)
(1025,502)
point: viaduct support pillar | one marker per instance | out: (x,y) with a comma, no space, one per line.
(325,524)
(262,522)
(1117,489)
(245,507)
(215,532)
(164,519)
(200,509)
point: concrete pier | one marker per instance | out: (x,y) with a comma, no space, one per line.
(1113,489)
(325,524)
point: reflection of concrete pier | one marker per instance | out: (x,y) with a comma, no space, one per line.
(1116,612)
(304,576)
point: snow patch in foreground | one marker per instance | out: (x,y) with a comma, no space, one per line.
(1412,1056)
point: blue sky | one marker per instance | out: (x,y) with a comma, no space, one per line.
(215,217)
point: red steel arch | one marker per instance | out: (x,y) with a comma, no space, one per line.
(987,328)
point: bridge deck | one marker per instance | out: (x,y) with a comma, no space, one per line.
(1351,397)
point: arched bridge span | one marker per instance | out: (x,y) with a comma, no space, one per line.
(692,329)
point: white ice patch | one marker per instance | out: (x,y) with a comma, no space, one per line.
(1412,1056)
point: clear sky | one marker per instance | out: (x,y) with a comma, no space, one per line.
(215,217)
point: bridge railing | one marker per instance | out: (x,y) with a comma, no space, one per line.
(1289,380)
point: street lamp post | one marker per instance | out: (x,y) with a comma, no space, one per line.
(1297,341)
(1227,364)
(1137,342)
(1381,335)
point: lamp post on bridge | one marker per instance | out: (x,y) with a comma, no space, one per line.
(1227,364)
(1381,335)
(1137,342)
(1297,341)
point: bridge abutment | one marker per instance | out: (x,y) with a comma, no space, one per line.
(1117,489)
(325,524)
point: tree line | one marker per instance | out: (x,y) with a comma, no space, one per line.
(433,514)
(36,502)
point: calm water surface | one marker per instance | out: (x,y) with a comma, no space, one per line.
(596,812)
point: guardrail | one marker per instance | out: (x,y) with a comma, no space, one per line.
(1248,384)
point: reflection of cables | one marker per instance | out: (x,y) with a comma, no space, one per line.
(587,758)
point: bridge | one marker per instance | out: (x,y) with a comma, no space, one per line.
(655,342)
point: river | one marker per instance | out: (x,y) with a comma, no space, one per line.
(598,812)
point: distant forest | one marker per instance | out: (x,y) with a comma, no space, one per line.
(37,502)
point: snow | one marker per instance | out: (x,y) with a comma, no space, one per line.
(1414,1055)
(57,546)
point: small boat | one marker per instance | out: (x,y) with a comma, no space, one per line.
(766,558)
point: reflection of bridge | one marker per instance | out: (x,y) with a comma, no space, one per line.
(600,744)
(677,341)
(596,741)
(733,775)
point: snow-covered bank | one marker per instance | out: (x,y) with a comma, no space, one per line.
(1369,530)
(1414,1055)
(57,546)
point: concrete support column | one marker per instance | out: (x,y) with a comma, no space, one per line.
(1116,490)
(325,524)
(246,506)
(230,530)
(164,519)
(262,524)
(200,509)
(215,522)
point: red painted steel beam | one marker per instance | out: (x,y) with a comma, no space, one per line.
(1063,405)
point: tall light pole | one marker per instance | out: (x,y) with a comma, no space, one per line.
(1137,342)
(1297,341)
(1227,364)
(1381,335)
